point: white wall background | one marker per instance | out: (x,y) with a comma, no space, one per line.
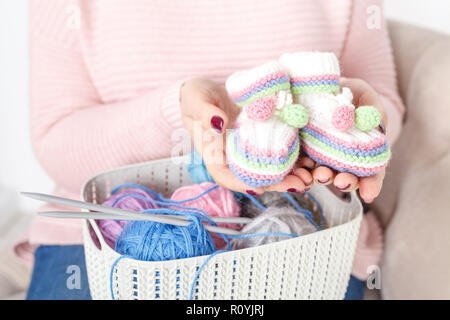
(433,14)
(19,169)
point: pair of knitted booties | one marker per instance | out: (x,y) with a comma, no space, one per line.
(301,91)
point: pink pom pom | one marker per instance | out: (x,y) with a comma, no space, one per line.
(260,109)
(343,117)
(219,202)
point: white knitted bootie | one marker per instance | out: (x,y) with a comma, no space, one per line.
(337,135)
(264,145)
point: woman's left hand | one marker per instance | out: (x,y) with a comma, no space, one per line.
(369,187)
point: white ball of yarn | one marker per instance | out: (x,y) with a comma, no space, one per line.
(282,220)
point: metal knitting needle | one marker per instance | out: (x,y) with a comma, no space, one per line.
(139,216)
(120,214)
(96,207)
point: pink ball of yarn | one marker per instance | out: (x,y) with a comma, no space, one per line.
(343,117)
(111,229)
(219,202)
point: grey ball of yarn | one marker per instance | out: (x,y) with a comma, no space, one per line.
(273,199)
(273,219)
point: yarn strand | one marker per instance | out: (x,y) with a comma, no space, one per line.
(306,213)
(319,207)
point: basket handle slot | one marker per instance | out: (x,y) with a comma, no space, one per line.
(92,225)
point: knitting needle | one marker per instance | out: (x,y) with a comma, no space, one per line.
(121,212)
(138,216)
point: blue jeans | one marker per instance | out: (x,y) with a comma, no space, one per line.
(59,273)
(355,289)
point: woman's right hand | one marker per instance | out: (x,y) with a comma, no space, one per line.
(207,113)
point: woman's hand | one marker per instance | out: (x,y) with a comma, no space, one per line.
(369,187)
(207,112)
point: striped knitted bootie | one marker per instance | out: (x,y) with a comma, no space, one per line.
(337,135)
(264,145)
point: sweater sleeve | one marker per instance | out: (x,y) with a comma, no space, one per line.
(74,134)
(367,54)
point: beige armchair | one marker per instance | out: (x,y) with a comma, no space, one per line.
(414,206)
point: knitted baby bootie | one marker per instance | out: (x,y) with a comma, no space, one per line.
(263,145)
(337,135)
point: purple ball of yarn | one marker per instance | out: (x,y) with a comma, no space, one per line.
(111,229)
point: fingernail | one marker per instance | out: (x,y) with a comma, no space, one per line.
(343,188)
(382,127)
(369,201)
(293,190)
(252,193)
(323,181)
(217,123)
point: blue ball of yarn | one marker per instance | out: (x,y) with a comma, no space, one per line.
(153,241)
(198,172)
(197,169)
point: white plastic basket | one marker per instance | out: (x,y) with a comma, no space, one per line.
(315,266)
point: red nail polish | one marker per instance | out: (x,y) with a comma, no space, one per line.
(292,190)
(343,188)
(323,181)
(251,192)
(217,123)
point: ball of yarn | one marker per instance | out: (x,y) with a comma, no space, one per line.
(198,173)
(112,228)
(273,199)
(219,202)
(284,220)
(295,115)
(152,241)
(367,118)
(197,169)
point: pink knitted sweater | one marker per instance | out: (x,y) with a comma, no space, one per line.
(105,74)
